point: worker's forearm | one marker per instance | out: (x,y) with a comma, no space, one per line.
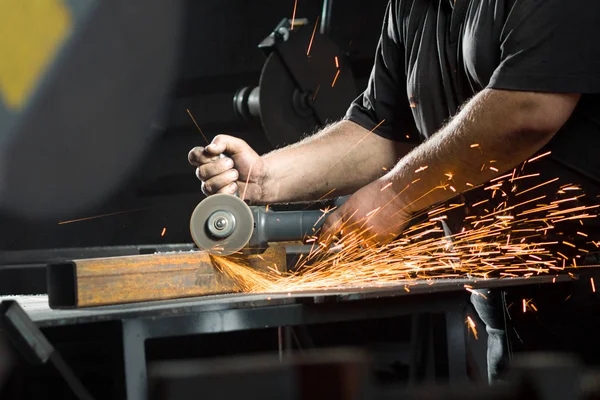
(495,132)
(334,162)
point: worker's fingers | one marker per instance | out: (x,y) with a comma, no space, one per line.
(198,156)
(216,183)
(214,168)
(232,188)
(225,144)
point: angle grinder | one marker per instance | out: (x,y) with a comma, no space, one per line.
(224,224)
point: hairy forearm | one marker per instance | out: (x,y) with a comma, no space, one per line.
(493,133)
(334,162)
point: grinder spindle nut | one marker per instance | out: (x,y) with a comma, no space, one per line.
(221,224)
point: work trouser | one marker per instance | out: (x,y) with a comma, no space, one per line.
(557,317)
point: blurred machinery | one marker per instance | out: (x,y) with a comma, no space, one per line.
(101,127)
(306,82)
(78,97)
(343,375)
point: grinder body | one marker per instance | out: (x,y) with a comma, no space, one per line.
(223,224)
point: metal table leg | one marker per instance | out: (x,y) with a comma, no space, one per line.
(134,357)
(457,344)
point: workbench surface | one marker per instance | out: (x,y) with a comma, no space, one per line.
(39,311)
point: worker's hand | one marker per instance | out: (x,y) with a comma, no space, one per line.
(375,213)
(230,173)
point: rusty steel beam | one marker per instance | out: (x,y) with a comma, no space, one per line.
(130,279)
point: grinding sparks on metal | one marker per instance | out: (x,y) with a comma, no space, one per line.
(504,241)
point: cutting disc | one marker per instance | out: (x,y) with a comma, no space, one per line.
(219,204)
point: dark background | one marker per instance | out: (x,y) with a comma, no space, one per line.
(219,56)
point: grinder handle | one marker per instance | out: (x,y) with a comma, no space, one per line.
(285,226)
(291,225)
(282,226)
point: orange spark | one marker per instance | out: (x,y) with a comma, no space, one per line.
(197,126)
(337,63)
(386,186)
(524,177)
(247,180)
(474,145)
(524,306)
(582,234)
(569,244)
(472,326)
(538,157)
(480,202)
(100,216)
(163,231)
(294,14)
(316,91)
(494,169)
(423,168)
(373,211)
(336,77)
(312,37)
(536,187)
(593,285)
(356,145)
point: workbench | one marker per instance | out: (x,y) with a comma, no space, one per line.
(240,312)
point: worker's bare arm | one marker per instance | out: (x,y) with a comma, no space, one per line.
(506,126)
(336,161)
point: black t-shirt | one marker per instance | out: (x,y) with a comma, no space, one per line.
(434,55)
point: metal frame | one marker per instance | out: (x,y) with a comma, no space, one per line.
(137,330)
(240,312)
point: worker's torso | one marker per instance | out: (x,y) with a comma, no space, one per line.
(452,52)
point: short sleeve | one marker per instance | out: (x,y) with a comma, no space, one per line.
(550,46)
(385,97)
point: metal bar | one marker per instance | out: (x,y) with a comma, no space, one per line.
(129,279)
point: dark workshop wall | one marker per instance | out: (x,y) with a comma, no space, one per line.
(220,56)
